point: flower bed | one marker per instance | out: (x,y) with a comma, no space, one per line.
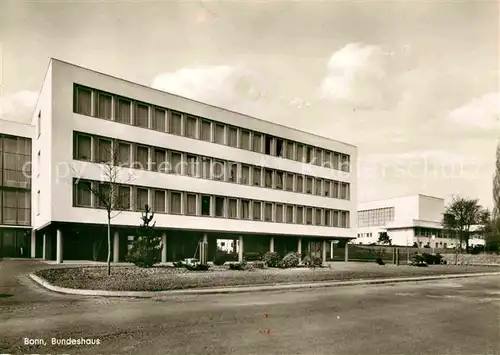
(125,278)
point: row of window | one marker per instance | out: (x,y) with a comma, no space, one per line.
(100,149)
(15,207)
(375,217)
(15,162)
(97,195)
(103,105)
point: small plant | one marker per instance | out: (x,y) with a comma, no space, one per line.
(178,264)
(197,267)
(313,261)
(146,247)
(418,260)
(258,264)
(379,261)
(271,259)
(291,260)
(238,266)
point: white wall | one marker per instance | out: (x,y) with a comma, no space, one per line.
(431,208)
(65,122)
(18,129)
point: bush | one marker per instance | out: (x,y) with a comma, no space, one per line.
(221,257)
(178,264)
(144,252)
(379,261)
(313,261)
(271,259)
(238,266)
(432,259)
(258,264)
(291,260)
(197,267)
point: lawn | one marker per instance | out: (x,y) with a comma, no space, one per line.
(129,278)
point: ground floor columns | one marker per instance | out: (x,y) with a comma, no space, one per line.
(324,251)
(59,247)
(299,248)
(116,247)
(33,244)
(204,250)
(164,247)
(44,247)
(271,244)
(346,256)
(240,249)
(331,250)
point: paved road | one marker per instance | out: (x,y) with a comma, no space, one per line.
(439,317)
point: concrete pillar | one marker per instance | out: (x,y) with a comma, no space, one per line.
(59,249)
(240,249)
(271,244)
(346,251)
(33,244)
(204,250)
(324,251)
(331,250)
(164,247)
(116,247)
(299,248)
(44,248)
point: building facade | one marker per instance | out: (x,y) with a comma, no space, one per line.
(208,173)
(15,189)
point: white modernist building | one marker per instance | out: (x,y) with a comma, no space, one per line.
(407,220)
(208,173)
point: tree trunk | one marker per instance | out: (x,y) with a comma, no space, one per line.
(109,245)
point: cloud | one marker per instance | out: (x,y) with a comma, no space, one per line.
(357,75)
(482,112)
(18,106)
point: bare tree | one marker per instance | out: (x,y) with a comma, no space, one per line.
(113,165)
(496,188)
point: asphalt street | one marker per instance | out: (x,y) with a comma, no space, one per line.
(459,316)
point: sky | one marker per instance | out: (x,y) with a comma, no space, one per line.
(414,85)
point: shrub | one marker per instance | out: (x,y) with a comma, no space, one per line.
(258,264)
(271,259)
(178,264)
(313,261)
(197,267)
(291,260)
(379,261)
(432,259)
(238,266)
(144,252)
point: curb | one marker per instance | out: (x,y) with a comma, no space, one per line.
(241,289)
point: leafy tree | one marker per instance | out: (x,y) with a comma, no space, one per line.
(460,215)
(147,245)
(383,238)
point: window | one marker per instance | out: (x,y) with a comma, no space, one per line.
(205,168)
(279,179)
(83,194)
(289,150)
(336,221)
(327,184)
(309,185)
(104,103)
(300,153)
(318,217)
(310,155)
(158,120)
(318,159)
(191,123)
(142,157)
(300,183)
(309,215)
(104,151)
(318,184)
(343,190)
(245,174)
(289,214)
(160,161)
(232,137)
(219,206)
(206,131)
(83,147)
(205,205)
(257,213)
(257,142)
(245,209)
(219,133)
(300,215)
(103,195)
(327,159)
(192,163)
(232,172)
(345,162)
(232,210)
(268,146)
(336,161)
(279,213)
(268,178)
(268,212)
(218,170)
(123,108)
(280,148)
(335,192)
(175,124)
(344,223)
(83,101)
(328,218)
(245,140)
(191,204)
(141,118)
(159,202)
(142,198)
(175,202)
(176,163)
(257,176)
(123,154)
(124,197)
